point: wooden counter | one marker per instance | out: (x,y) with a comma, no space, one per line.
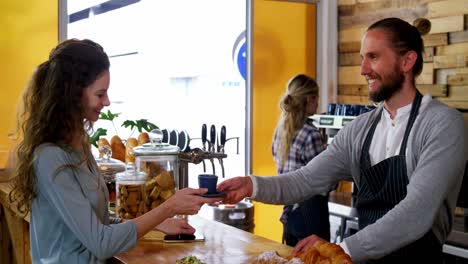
(223,244)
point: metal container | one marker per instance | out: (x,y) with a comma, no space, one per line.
(160,162)
(240,215)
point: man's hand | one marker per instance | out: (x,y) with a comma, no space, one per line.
(236,189)
(306,243)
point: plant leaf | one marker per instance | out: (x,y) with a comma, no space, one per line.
(146,125)
(95,137)
(129,123)
(109,116)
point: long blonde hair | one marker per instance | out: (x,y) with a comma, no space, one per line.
(293,106)
(51,110)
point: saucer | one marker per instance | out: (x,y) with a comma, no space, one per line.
(212,195)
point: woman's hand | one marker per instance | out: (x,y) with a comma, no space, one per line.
(174,226)
(305,243)
(187,202)
(236,189)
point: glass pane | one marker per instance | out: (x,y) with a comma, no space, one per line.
(179,64)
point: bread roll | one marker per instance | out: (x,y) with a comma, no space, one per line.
(143,138)
(102,145)
(129,145)
(118,148)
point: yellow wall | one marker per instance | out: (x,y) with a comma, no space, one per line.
(29,30)
(284,37)
(283,45)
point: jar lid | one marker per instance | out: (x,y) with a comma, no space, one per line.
(156,149)
(110,165)
(131,176)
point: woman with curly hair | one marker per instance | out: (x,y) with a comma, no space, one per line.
(56,178)
(296,142)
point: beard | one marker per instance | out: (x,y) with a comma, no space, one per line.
(391,84)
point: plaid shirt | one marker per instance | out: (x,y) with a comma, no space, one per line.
(306,145)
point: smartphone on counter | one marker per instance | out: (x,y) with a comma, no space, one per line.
(197,237)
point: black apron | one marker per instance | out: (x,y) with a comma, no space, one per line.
(383,186)
(311,218)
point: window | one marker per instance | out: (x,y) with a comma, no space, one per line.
(179,64)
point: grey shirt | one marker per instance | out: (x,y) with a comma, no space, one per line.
(435,164)
(70,220)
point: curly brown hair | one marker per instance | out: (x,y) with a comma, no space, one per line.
(51,110)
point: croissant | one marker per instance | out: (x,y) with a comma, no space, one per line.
(323,252)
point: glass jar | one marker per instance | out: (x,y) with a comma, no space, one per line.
(130,194)
(108,168)
(160,162)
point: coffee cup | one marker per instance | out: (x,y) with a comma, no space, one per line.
(208,181)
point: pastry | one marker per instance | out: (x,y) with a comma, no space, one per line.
(129,145)
(323,252)
(103,147)
(272,257)
(118,148)
(143,138)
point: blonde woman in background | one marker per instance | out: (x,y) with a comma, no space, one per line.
(297,141)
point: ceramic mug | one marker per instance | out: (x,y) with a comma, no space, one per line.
(208,181)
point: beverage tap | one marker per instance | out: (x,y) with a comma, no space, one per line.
(222,139)
(212,148)
(221,142)
(203,135)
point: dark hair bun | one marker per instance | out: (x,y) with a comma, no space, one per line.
(423,25)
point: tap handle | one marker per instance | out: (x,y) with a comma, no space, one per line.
(223,136)
(203,135)
(213,135)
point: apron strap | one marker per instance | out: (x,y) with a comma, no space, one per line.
(365,158)
(414,113)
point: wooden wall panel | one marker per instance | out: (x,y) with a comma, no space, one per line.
(350,75)
(428,54)
(458,93)
(350,59)
(458,37)
(445,71)
(441,75)
(408,14)
(447,24)
(354,99)
(433,89)
(459,48)
(360,90)
(349,46)
(427,74)
(352,34)
(457,79)
(439,39)
(450,61)
(447,8)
